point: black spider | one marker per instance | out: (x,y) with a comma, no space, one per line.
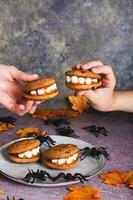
(96,130)
(94,152)
(42,175)
(8,119)
(43,138)
(56,121)
(66,131)
(14,198)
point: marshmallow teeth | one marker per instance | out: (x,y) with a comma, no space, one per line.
(30,154)
(80,80)
(69,160)
(43,91)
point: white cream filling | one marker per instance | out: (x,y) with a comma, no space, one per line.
(43,91)
(81,80)
(40,91)
(74,79)
(29,154)
(69,160)
(94,80)
(33,92)
(88,81)
(68,79)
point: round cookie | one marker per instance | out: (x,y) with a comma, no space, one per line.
(63,156)
(78,79)
(41,89)
(24,151)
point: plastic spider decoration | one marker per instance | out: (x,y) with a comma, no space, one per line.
(96,130)
(56,121)
(94,152)
(66,131)
(43,138)
(42,175)
(14,198)
(8,119)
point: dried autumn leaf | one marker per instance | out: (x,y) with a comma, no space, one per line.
(23,132)
(47,114)
(79,103)
(128,179)
(3,127)
(6,126)
(131,185)
(82,193)
(117,178)
(1,191)
(112,178)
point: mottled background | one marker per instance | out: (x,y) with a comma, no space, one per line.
(49,36)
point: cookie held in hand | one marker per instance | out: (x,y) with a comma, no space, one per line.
(24,151)
(63,156)
(41,89)
(78,79)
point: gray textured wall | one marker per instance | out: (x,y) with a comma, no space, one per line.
(49,36)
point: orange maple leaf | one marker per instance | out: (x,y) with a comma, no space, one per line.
(6,126)
(23,132)
(47,114)
(117,178)
(112,178)
(82,193)
(128,179)
(131,185)
(1,191)
(79,103)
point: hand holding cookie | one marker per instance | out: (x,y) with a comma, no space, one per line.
(11,83)
(41,89)
(100,98)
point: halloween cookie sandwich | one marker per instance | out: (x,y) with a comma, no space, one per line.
(63,156)
(40,89)
(78,79)
(25,151)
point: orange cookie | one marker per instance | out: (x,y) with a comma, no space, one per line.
(24,151)
(78,79)
(41,89)
(63,156)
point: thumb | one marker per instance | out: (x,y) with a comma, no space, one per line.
(22,76)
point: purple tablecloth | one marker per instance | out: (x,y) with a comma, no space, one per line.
(119,141)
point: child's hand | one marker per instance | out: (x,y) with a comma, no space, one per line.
(101,98)
(11,84)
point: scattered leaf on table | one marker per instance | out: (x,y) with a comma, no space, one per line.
(23,132)
(47,114)
(128,179)
(6,126)
(79,103)
(112,178)
(82,193)
(117,178)
(1,191)
(131,185)
(7,123)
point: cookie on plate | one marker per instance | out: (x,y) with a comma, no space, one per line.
(78,79)
(40,89)
(63,156)
(24,151)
